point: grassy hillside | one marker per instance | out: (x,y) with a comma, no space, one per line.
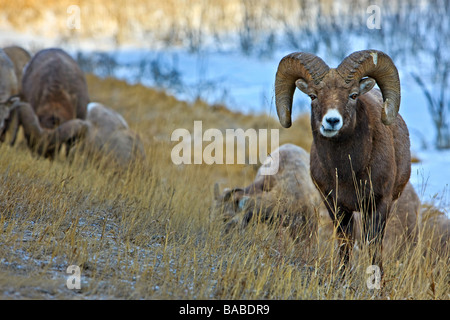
(148,232)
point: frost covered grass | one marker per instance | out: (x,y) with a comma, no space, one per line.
(148,233)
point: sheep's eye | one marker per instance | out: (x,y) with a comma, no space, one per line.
(313,96)
(353,96)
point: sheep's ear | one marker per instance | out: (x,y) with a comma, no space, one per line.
(216,191)
(365,85)
(302,85)
(228,193)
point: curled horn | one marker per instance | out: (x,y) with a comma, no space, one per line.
(377,65)
(291,68)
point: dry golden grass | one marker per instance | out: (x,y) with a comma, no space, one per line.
(147,232)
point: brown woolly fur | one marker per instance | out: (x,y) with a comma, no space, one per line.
(288,198)
(56,90)
(55,87)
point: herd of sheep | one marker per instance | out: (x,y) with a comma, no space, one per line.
(355,181)
(47,96)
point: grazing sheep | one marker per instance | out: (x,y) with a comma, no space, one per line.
(360,156)
(8,88)
(56,89)
(108,136)
(289,196)
(44,141)
(19,57)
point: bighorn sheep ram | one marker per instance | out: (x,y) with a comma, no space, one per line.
(360,156)
(8,88)
(109,136)
(55,87)
(289,196)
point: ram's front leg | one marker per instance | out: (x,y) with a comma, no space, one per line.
(374,225)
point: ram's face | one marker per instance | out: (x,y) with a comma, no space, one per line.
(333,103)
